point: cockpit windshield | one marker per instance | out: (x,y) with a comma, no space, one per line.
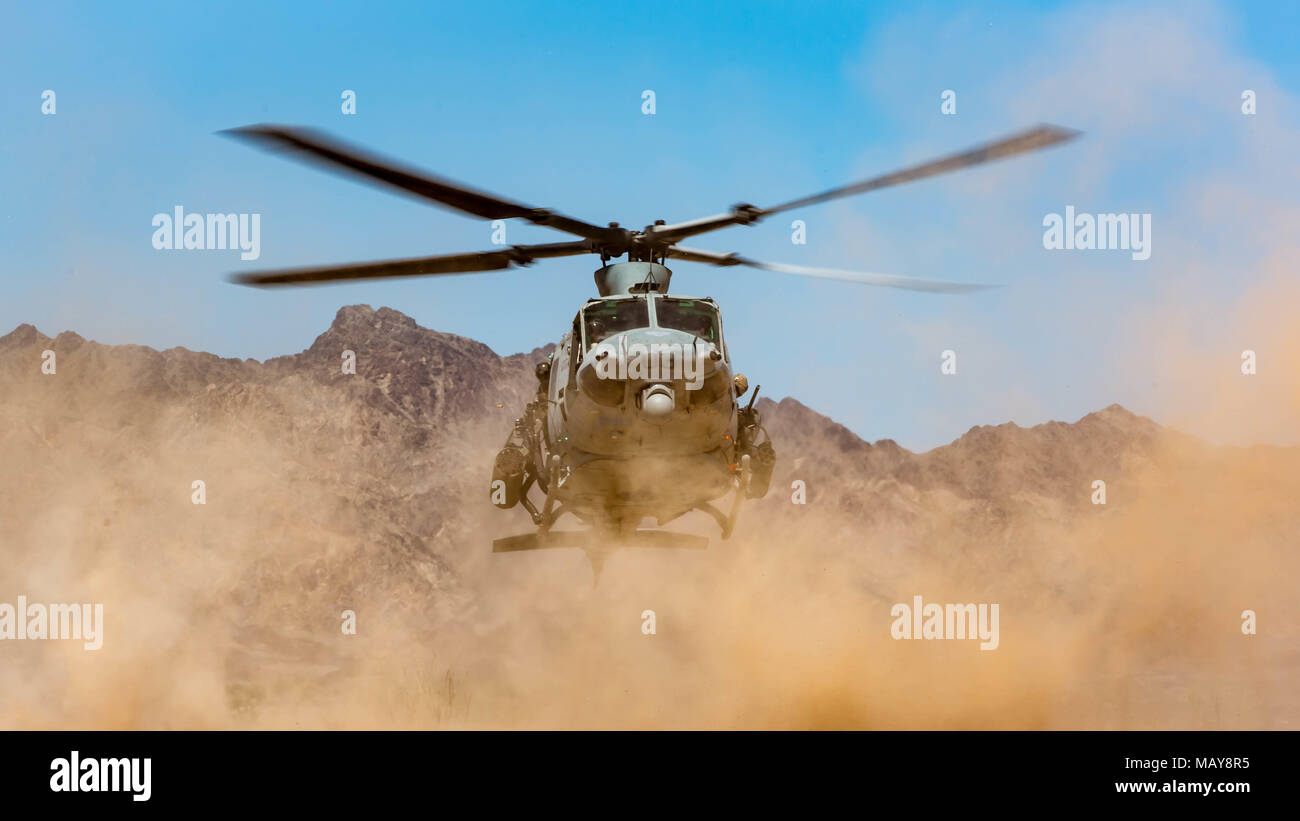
(606,317)
(694,316)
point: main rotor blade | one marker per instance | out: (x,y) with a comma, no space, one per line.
(320,149)
(936,286)
(1034,139)
(864,278)
(420,266)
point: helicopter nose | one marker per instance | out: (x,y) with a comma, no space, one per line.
(657,404)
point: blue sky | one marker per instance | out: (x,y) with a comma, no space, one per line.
(756,102)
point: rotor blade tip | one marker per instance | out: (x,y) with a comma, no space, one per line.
(1062,132)
(251,280)
(258,132)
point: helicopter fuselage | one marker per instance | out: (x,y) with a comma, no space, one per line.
(644,420)
(638,413)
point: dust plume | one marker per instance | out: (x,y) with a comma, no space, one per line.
(322,498)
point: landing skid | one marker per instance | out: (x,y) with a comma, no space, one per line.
(598,543)
(591,539)
(728,521)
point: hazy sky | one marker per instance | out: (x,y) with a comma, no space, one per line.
(755,102)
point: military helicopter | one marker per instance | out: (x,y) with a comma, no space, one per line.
(638,411)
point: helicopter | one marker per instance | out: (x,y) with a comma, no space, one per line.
(638,411)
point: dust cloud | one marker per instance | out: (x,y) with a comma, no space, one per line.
(227,614)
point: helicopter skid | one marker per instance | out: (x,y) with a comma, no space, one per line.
(598,544)
(594,539)
(650,486)
(619,531)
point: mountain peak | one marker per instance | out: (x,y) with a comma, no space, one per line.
(24,334)
(350,314)
(1114,411)
(353,317)
(1121,418)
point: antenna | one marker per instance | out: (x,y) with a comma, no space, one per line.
(646,285)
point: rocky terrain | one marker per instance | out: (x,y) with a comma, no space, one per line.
(328,492)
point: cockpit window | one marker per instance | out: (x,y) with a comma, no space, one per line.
(606,317)
(694,316)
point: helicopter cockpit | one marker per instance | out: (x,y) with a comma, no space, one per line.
(697,317)
(603,318)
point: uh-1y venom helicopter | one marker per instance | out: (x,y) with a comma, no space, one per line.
(609,440)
